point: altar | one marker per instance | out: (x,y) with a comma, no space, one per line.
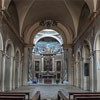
(48,77)
(47,81)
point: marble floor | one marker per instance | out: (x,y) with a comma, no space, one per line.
(48,92)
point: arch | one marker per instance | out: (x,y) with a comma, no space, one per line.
(77,70)
(17,67)
(49,36)
(97,60)
(86,65)
(86,49)
(9,50)
(66,36)
(95,40)
(9,42)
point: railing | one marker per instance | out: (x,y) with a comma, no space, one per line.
(37,96)
(61,96)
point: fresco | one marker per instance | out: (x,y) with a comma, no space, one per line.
(48,48)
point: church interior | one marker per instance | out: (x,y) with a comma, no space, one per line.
(50,44)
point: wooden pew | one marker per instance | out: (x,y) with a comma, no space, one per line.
(72,93)
(37,96)
(61,96)
(88,98)
(85,95)
(11,98)
(16,93)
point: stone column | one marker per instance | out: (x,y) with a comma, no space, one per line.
(86,67)
(1,67)
(76,73)
(91,72)
(70,66)
(19,72)
(25,67)
(65,65)
(30,68)
(42,64)
(53,65)
(11,72)
(3,70)
(97,70)
(20,77)
(13,84)
(82,72)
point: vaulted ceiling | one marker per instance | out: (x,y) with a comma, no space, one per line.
(66,12)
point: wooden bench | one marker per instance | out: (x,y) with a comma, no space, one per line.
(37,96)
(61,96)
(16,93)
(85,95)
(11,98)
(88,98)
(72,93)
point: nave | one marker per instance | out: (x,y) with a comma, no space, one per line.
(49,92)
(49,42)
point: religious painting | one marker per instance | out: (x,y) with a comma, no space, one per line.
(58,66)
(86,69)
(48,46)
(36,65)
(48,63)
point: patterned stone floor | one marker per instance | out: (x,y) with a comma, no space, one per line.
(48,92)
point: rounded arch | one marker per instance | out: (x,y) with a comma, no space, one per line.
(17,67)
(49,36)
(97,59)
(9,42)
(66,36)
(86,65)
(96,40)
(86,49)
(9,50)
(78,54)
(18,50)
(77,71)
